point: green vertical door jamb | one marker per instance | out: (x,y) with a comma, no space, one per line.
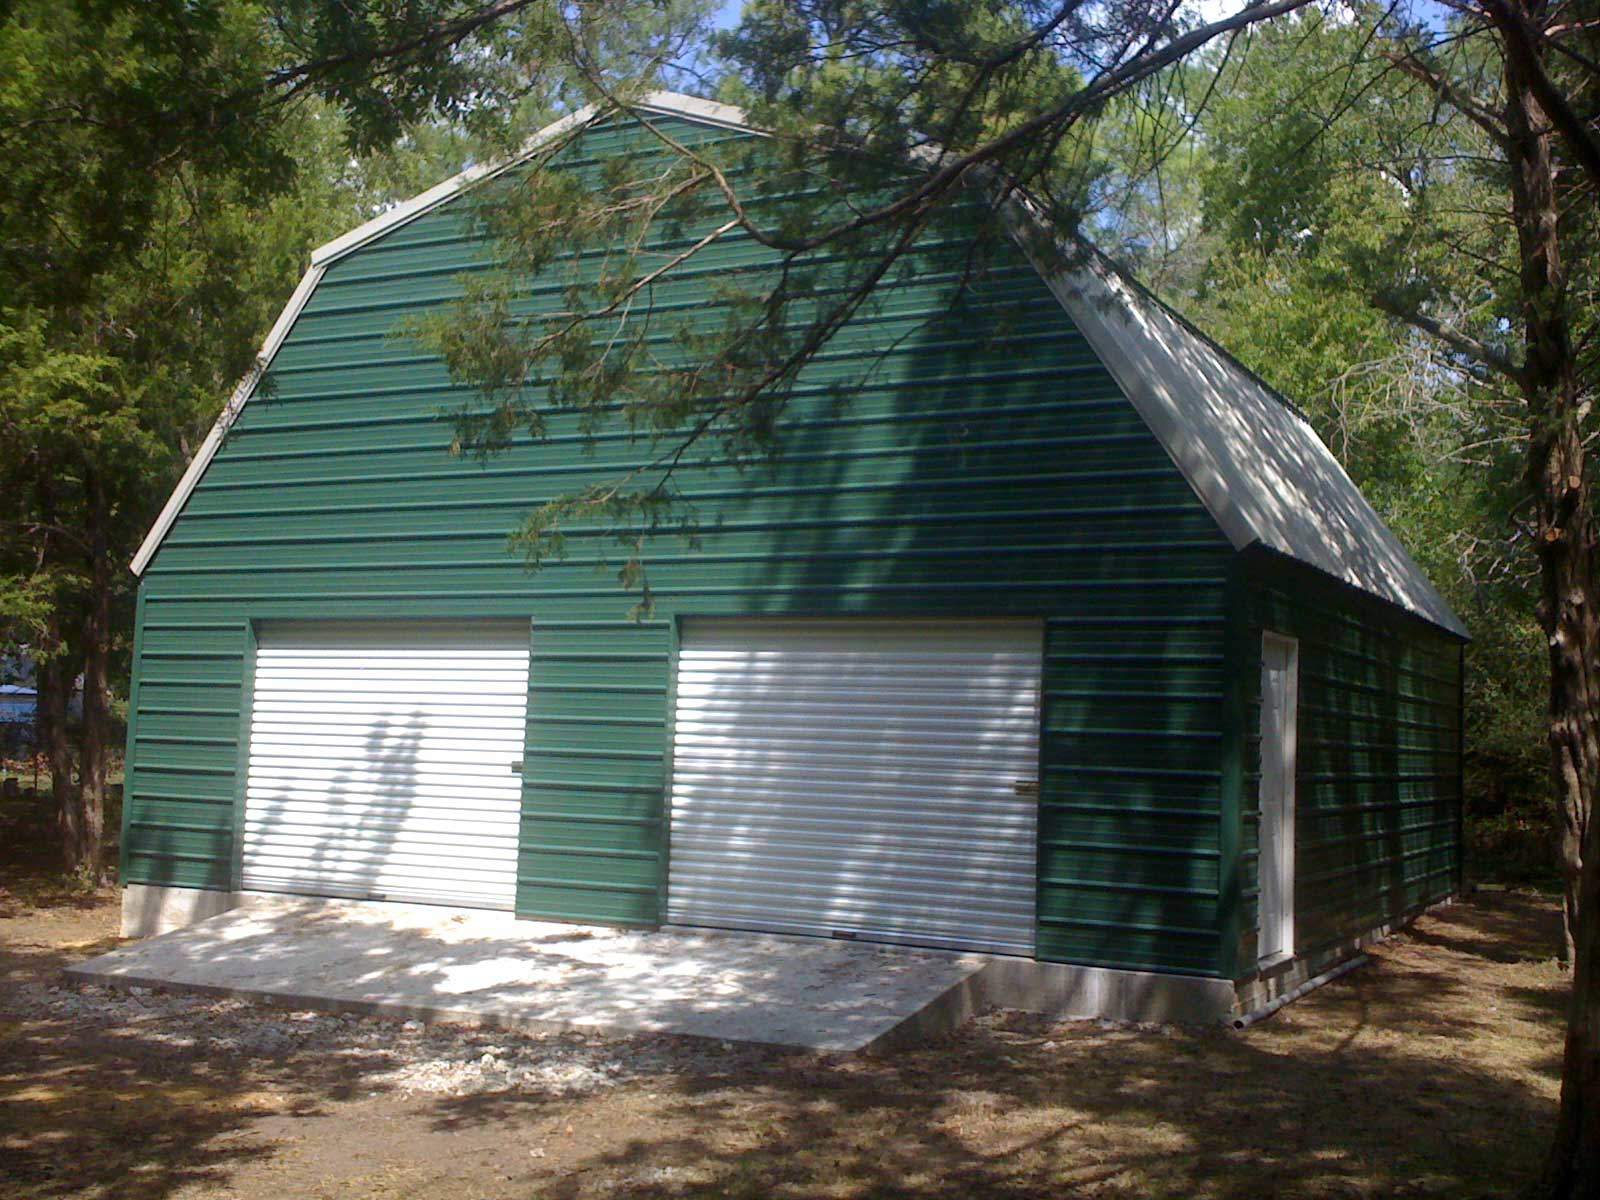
(241,764)
(664,809)
(1230,901)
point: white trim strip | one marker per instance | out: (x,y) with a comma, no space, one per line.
(1257,466)
(230,413)
(415,207)
(659,103)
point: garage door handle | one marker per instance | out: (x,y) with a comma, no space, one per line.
(516,767)
(1026,787)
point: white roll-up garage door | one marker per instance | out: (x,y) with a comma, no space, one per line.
(860,778)
(385,761)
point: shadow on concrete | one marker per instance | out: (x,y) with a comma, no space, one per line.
(1370,1088)
(469,965)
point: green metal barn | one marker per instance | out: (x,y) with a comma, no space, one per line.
(1071,645)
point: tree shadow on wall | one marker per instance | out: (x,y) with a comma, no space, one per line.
(994,470)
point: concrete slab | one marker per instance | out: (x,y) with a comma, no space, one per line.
(490,968)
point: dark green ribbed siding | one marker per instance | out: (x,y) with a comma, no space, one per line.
(968,477)
(1377,801)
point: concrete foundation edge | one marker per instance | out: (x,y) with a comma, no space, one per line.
(1071,991)
(150,909)
(1063,990)
(1269,983)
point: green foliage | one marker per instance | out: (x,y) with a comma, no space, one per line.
(164,179)
(1333,190)
(487,69)
(96,102)
(886,122)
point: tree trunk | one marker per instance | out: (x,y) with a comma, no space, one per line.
(55,690)
(1559,481)
(94,757)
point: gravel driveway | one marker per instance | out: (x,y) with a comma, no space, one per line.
(408,1058)
(1430,1072)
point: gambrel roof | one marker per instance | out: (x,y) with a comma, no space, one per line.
(1255,463)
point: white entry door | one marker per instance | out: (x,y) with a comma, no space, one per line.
(858,778)
(1280,685)
(385,761)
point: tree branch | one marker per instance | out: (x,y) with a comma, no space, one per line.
(948,172)
(445,33)
(1479,352)
(1523,41)
(1409,64)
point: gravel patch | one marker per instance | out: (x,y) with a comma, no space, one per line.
(381,1053)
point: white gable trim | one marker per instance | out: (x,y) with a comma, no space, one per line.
(230,413)
(410,210)
(660,103)
(1257,465)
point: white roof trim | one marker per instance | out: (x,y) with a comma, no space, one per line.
(1256,464)
(230,413)
(663,103)
(1258,467)
(413,208)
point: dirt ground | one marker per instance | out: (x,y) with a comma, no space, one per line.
(1432,1071)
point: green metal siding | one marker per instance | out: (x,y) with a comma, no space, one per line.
(970,477)
(1378,769)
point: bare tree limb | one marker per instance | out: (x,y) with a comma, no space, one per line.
(1478,351)
(444,34)
(1446,90)
(950,171)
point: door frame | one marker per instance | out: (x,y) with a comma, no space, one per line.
(1278,944)
(1037,619)
(251,630)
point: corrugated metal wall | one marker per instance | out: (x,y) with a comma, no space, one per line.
(1378,769)
(972,476)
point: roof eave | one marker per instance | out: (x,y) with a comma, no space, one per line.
(1235,522)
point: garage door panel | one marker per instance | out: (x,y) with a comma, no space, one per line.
(318,777)
(400,889)
(467,821)
(790,697)
(863,685)
(953,822)
(310,720)
(858,777)
(712,777)
(927,873)
(410,748)
(934,927)
(875,735)
(384,761)
(480,872)
(844,758)
(794,902)
(839,842)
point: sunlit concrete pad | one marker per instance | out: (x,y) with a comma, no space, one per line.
(489,968)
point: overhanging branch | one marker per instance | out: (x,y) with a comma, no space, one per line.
(1465,344)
